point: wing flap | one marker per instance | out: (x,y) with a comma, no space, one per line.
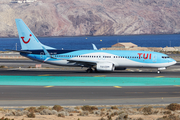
(83,62)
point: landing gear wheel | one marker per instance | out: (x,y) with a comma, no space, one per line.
(89,70)
(158,71)
(95,70)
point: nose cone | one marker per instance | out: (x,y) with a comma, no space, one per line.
(172,61)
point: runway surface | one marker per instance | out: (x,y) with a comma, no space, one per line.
(171,72)
(26,68)
(90,90)
(66,96)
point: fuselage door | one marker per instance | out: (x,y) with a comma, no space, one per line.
(154,58)
(101,57)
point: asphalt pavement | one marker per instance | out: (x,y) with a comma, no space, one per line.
(27,95)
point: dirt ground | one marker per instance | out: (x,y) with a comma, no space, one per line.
(130,112)
(75,117)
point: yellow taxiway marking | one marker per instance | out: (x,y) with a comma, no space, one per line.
(159,76)
(117,86)
(177,85)
(45,75)
(100,76)
(48,86)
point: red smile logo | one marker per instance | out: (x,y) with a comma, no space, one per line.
(26,42)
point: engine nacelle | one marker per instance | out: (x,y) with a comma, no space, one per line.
(105,67)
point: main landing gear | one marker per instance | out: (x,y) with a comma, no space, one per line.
(91,70)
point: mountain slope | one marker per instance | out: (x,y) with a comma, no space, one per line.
(92,17)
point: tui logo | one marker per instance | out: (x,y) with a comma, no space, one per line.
(26,42)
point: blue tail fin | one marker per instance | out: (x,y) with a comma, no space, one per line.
(27,39)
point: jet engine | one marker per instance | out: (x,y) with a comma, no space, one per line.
(107,67)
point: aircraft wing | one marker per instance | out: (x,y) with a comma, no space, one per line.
(78,62)
(82,62)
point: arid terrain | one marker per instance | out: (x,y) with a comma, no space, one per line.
(91,17)
(119,112)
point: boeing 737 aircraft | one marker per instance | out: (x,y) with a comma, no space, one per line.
(95,60)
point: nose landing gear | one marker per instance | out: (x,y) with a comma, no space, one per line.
(158,71)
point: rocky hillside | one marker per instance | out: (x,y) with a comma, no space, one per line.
(92,17)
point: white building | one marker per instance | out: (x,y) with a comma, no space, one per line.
(5,1)
(22,1)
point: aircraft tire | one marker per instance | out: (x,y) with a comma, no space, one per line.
(158,71)
(89,70)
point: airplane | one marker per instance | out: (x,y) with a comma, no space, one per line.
(95,60)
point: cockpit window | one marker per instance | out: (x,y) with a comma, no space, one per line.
(165,57)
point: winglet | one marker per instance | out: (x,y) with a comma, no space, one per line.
(94,46)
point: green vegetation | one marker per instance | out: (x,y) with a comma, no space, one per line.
(61,115)
(147,110)
(102,118)
(42,108)
(31,115)
(57,108)
(2,66)
(5,118)
(84,113)
(31,109)
(139,119)
(167,112)
(77,108)
(170,117)
(89,108)
(1,109)
(114,107)
(173,106)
